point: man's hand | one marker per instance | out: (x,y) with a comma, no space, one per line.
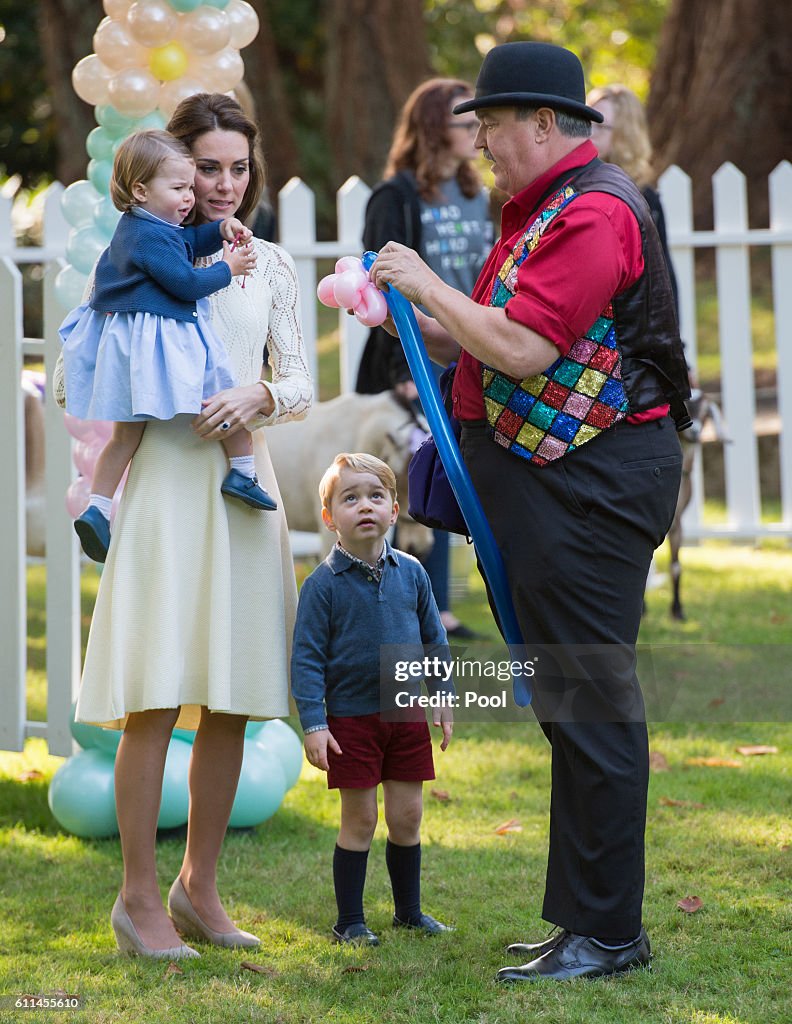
(316,744)
(404,269)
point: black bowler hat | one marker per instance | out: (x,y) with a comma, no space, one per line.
(531,75)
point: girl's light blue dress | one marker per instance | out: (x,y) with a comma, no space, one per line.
(139,366)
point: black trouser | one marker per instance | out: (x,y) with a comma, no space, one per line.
(577,538)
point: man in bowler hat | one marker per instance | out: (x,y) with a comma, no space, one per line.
(569,385)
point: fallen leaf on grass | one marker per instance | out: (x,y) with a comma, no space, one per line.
(667,801)
(713,762)
(508,826)
(248,965)
(355,969)
(173,968)
(690,904)
(657,761)
(716,702)
(756,750)
(441,794)
(32,775)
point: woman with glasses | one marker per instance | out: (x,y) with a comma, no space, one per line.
(432,200)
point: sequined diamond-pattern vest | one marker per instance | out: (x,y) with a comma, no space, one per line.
(544,417)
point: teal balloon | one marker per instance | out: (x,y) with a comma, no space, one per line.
(106,217)
(99,172)
(113,121)
(185,6)
(188,735)
(69,288)
(219,4)
(253,729)
(152,120)
(261,788)
(99,144)
(175,803)
(280,739)
(78,202)
(82,795)
(94,737)
(84,247)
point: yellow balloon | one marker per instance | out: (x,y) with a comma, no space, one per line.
(168,62)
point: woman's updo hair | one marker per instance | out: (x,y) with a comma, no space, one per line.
(208,112)
(137,161)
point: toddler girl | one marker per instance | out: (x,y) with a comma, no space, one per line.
(142,347)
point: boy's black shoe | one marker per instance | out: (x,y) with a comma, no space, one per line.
(425,923)
(358,934)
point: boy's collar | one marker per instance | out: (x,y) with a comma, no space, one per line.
(138,211)
(339,561)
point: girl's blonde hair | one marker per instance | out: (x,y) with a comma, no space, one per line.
(359,462)
(138,159)
(630,146)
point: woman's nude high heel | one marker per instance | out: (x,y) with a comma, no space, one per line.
(131,943)
(189,923)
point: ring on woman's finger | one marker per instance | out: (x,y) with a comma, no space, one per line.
(225,425)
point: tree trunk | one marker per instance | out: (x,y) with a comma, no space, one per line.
(376,55)
(273,110)
(66,29)
(720,91)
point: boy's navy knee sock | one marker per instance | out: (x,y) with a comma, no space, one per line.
(404,868)
(349,878)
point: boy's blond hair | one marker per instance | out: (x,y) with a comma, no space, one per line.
(359,462)
(138,159)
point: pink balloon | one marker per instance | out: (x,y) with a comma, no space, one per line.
(324,291)
(372,309)
(82,430)
(103,430)
(85,455)
(77,496)
(348,287)
(348,263)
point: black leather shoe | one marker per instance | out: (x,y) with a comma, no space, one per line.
(358,934)
(425,923)
(531,950)
(580,956)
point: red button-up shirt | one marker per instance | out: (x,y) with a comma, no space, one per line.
(590,252)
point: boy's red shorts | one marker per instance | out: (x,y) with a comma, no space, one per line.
(374,751)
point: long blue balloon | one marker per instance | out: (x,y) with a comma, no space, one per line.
(459,478)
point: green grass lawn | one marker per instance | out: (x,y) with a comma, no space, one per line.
(721,832)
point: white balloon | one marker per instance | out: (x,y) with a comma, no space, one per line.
(116,48)
(204,30)
(152,22)
(117,8)
(244,23)
(220,72)
(91,80)
(172,93)
(134,92)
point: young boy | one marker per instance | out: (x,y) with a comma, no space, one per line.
(366,594)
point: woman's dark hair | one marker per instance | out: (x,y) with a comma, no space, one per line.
(421,137)
(208,112)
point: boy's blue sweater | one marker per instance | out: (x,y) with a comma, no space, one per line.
(147,268)
(343,619)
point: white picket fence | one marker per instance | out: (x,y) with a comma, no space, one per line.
(731,239)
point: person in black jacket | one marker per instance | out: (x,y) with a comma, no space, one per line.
(433,201)
(623,139)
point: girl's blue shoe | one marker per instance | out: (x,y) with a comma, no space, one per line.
(94,532)
(246,488)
